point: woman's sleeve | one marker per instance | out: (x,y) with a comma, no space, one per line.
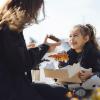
(36,54)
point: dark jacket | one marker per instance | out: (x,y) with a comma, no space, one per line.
(88,58)
(15,60)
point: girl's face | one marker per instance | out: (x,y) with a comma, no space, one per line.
(77,40)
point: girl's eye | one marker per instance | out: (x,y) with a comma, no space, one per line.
(75,35)
(70,36)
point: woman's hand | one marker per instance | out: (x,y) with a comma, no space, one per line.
(46,38)
(52,46)
(84,75)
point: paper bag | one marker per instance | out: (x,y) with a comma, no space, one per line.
(62,75)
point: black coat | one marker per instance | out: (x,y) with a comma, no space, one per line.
(15,60)
(88,58)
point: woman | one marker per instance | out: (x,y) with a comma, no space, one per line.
(15,59)
(84,50)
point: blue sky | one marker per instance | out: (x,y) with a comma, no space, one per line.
(62,15)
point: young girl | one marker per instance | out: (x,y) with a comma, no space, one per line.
(84,49)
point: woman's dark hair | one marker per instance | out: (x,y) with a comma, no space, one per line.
(25,12)
(30,7)
(89,30)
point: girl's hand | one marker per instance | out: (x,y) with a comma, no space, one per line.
(84,75)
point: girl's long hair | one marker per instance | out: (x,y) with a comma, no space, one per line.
(17,14)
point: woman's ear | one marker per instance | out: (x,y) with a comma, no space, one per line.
(87,38)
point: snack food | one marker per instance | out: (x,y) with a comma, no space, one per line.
(60,57)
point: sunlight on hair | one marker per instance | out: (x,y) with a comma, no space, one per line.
(2,2)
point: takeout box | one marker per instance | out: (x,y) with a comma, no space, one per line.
(62,75)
